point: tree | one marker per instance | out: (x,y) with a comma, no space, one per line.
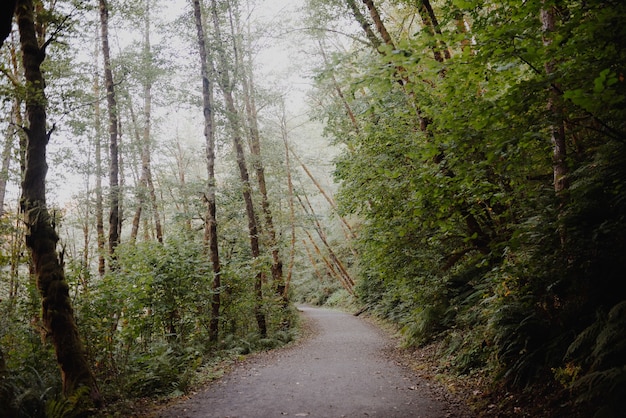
(146,183)
(114,192)
(210,227)
(255,151)
(7,10)
(232,114)
(41,239)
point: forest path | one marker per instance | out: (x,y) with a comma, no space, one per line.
(344,369)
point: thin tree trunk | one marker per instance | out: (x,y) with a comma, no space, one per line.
(557,127)
(365,25)
(342,271)
(145,184)
(313,262)
(210,228)
(330,266)
(101,240)
(114,198)
(432,26)
(378,22)
(6,157)
(342,98)
(41,239)
(255,149)
(180,164)
(121,180)
(141,185)
(145,152)
(350,233)
(235,125)
(16,120)
(292,212)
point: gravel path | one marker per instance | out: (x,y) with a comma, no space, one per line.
(342,370)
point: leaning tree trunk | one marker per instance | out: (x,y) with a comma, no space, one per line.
(210,231)
(41,238)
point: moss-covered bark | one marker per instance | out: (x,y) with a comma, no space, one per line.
(41,238)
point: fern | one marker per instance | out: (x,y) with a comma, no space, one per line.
(74,406)
(604,343)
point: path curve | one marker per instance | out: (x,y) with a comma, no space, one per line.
(341,371)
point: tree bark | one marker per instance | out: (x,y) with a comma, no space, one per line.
(342,98)
(145,182)
(557,126)
(365,25)
(378,22)
(7,8)
(255,150)
(292,212)
(342,271)
(235,126)
(41,238)
(210,225)
(101,240)
(432,26)
(114,192)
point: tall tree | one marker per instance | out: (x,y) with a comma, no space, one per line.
(557,125)
(41,238)
(210,227)
(99,207)
(254,139)
(234,120)
(146,184)
(114,192)
(290,197)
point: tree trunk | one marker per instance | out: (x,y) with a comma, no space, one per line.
(210,229)
(255,150)
(41,238)
(557,126)
(145,183)
(365,25)
(341,271)
(432,26)
(235,125)
(16,121)
(378,22)
(292,212)
(6,156)
(98,162)
(340,95)
(114,192)
(7,8)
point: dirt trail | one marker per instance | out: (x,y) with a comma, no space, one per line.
(343,370)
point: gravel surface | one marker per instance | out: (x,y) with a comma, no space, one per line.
(345,368)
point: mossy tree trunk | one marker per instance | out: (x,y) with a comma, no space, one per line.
(114,163)
(41,237)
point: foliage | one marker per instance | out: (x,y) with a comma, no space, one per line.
(448,164)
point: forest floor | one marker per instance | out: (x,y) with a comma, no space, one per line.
(345,366)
